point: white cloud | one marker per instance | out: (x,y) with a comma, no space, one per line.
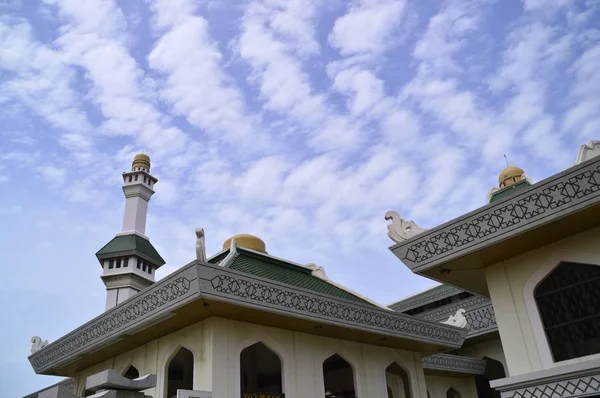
(196,86)
(52,174)
(367,27)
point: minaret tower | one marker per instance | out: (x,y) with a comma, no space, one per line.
(129,261)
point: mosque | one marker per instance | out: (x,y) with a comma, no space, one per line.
(517,313)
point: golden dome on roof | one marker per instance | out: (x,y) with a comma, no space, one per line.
(510,175)
(141,160)
(247,241)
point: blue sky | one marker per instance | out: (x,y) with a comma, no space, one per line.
(301,121)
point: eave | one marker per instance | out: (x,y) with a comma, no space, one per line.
(199,291)
(456,252)
(479,312)
(452,365)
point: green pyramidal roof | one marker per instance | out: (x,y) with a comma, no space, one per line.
(508,191)
(122,245)
(281,271)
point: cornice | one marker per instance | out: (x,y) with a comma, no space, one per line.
(454,363)
(562,194)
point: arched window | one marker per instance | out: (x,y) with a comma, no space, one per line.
(493,370)
(180,372)
(131,373)
(568,301)
(260,371)
(397,378)
(452,393)
(338,377)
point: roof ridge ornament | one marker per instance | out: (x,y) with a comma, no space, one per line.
(400,229)
(317,271)
(457,319)
(200,245)
(37,344)
(588,151)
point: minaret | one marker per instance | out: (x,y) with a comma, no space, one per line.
(129,261)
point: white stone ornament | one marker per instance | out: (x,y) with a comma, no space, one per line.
(400,229)
(588,151)
(457,319)
(200,245)
(37,344)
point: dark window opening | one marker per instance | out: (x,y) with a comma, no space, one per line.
(180,373)
(111,264)
(136,177)
(398,378)
(390,393)
(144,265)
(452,393)
(130,178)
(125,262)
(260,371)
(132,373)
(464,295)
(568,301)
(338,376)
(139,263)
(119,263)
(493,370)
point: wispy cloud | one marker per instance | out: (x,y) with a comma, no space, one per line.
(299,121)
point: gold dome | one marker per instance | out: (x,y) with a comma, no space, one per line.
(510,175)
(141,160)
(247,241)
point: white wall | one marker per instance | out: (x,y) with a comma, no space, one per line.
(217,343)
(491,349)
(439,385)
(511,285)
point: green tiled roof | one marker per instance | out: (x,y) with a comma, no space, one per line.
(508,191)
(131,244)
(281,271)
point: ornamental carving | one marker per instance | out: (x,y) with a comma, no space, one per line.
(480,315)
(453,363)
(105,325)
(427,298)
(285,299)
(579,387)
(493,221)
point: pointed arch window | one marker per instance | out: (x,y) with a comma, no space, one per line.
(568,301)
(131,373)
(338,377)
(398,381)
(260,371)
(180,373)
(452,393)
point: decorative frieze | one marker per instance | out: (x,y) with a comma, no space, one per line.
(580,379)
(566,192)
(118,320)
(240,289)
(454,363)
(479,314)
(226,284)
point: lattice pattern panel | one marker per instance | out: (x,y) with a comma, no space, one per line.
(454,363)
(279,297)
(580,387)
(450,309)
(105,325)
(425,299)
(481,320)
(495,221)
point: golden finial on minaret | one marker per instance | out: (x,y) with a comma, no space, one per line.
(141,161)
(510,175)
